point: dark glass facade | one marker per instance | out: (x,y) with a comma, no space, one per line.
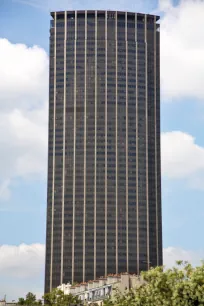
(104,178)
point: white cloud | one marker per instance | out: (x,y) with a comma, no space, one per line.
(23,112)
(24,95)
(23,261)
(181,156)
(22,267)
(47,4)
(21,270)
(165,5)
(182,39)
(182,49)
(51,5)
(23,75)
(4,190)
(172,254)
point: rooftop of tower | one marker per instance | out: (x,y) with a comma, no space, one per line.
(60,14)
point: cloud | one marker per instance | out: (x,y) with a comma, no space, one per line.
(47,4)
(164,5)
(22,267)
(4,190)
(23,112)
(172,254)
(181,156)
(182,39)
(24,96)
(90,4)
(23,75)
(182,49)
(21,270)
(23,261)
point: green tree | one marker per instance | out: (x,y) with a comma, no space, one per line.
(30,299)
(51,297)
(21,301)
(182,285)
(57,298)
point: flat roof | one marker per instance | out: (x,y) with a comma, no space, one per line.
(103,12)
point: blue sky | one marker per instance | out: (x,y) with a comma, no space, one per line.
(23,132)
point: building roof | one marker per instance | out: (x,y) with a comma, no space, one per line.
(103,12)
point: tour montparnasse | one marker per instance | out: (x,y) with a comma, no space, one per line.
(104,176)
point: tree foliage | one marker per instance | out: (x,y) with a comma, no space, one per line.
(57,298)
(21,301)
(30,300)
(182,285)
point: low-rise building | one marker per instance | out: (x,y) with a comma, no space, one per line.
(4,303)
(98,290)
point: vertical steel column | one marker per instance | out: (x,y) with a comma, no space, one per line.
(137,196)
(106,17)
(146,119)
(84,213)
(155,135)
(126,73)
(64,145)
(53,165)
(116,134)
(74,151)
(95,159)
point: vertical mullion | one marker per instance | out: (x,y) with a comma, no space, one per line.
(155,122)
(64,138)
(95,163)
(137,196)
(127,245)
(53,165)
(84,217)
(116,134)
(106,142)
(146,119)
(74,151)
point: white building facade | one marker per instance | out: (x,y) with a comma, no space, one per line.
(98,290)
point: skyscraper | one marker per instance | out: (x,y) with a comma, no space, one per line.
(104,178)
